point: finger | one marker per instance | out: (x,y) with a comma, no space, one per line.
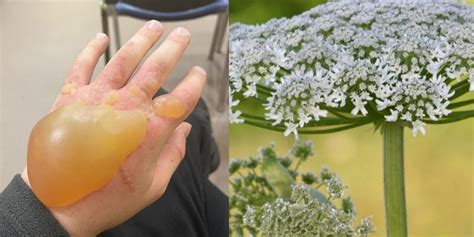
(82,69)
(186,96)
(170,157)
(122,65)
(164,123)
(159,65)
(171,109)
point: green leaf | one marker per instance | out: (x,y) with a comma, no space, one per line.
(347,205)
(276,174)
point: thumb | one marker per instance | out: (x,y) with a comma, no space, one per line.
(170,157)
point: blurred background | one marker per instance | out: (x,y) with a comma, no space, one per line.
(439,167)
(39,40)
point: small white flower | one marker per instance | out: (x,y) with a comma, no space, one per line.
(407,117)
(441,108)
(382,104)
(234,116)
(418,126)
(277,118)
(291,128)
(303,118)
(359,105)
(392,117)
(317,112)
(251,90)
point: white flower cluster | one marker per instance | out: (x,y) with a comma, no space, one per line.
(395,60)
(304,215)
(335,186)
(312,204)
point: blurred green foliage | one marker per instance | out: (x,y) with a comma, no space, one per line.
(260,11)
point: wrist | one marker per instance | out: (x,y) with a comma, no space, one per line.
(65,216)
(71,222)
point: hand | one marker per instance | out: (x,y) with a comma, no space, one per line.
(145,174)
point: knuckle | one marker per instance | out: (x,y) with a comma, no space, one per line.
(147,36)
(150,83)
(122,58)
(129,46)
(93,46)
(158,68)
(137,92)
(154,75)
(93,49)
(117,71)
(180,41)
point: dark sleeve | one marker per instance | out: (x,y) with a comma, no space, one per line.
(217,210)
(22,214)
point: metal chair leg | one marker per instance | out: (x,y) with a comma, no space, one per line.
(116,28)
(213,43)
(216,46)
(223,87)
(217,34)
(105,27)
(224,22)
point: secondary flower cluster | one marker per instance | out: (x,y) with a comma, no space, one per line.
(394,61)
(302,215)
(269,197)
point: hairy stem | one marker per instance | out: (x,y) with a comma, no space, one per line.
(394,186)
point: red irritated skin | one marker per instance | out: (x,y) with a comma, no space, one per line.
(107,150)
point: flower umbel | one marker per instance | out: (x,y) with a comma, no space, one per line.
(264,202)
(347,64)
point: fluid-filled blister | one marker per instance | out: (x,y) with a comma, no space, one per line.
(77,149)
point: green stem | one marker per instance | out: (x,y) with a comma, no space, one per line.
(268,126)
(297,165)
(262,87)
(394,186)
(460,90)
(460,104)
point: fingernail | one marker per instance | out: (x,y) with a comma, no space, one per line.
(100,36)
(182,32)
(200,70)
(154,25)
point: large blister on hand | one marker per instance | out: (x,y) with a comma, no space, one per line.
(77,149)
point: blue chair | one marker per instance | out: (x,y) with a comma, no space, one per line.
(166,10)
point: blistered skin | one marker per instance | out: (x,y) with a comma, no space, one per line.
(77,149)
(169,106)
